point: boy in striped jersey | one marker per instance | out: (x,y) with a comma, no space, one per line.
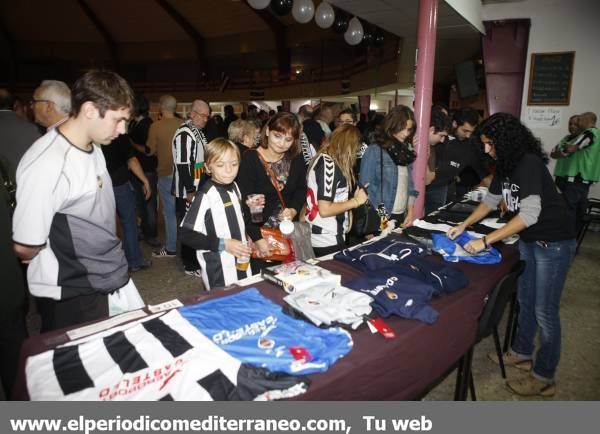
(214,225)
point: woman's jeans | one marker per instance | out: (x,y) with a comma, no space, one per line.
(168,208)
(540,288)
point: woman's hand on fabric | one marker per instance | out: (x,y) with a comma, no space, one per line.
(408,219)
(262,248)
(288,213)
(475,246)
(360,195)
(237,248)
(454,232)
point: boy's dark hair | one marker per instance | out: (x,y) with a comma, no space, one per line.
(106,89)
(348,111)
(440,121)
(466,114)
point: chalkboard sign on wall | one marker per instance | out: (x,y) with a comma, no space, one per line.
(550,77)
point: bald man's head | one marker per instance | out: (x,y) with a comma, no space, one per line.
(200,113)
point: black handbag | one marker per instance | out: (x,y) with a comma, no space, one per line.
(365,220)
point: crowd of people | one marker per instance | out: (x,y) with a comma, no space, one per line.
(96,153)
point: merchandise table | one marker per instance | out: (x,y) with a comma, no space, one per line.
(402,368)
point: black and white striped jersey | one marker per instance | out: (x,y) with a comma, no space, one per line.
(325,181)
(188,159)
(215,213)
(163,357)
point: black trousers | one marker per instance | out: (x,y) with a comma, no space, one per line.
(12,334)
(188,255)
(57,314)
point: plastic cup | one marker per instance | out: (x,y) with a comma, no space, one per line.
(242,263)
(256,209)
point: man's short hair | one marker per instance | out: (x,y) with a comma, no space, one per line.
(106,89)
(58,92)
(466,114)
(6,99)
(439,120)
(304,112)
(167,103)
(588,119)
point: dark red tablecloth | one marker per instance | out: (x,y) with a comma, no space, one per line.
(376,369)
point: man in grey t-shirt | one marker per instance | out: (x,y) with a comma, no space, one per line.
(64,223)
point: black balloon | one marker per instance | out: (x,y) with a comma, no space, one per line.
(340,24)
(282,7)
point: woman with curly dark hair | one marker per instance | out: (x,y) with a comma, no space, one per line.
(547,245)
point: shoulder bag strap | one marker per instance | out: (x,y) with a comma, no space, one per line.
(272,179)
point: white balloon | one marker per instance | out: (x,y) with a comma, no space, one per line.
(324,15)
(354,34)
(303,11)
(259,4)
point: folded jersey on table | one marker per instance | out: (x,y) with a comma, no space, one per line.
(160,358)
(255,330)
(329,305)
(397,294)
(443,278)
(381,253)
(453,251)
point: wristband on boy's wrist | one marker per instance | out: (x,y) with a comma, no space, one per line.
(485,242)
(221,244)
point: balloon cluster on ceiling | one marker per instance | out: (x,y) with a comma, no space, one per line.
(325,16)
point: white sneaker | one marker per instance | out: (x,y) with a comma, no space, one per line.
(163,253)
(194,273)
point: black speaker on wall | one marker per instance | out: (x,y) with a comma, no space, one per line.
(466,79)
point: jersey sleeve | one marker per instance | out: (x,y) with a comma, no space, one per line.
(324,170)
(41,192)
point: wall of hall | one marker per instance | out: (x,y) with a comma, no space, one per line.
(557,25)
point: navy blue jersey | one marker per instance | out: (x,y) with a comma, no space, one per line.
(397,294)
(379,254)
(443,278)
(254,330)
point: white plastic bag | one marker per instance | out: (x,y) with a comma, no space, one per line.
(125,299)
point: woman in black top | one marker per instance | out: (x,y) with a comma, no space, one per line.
(547,246)
(279,150)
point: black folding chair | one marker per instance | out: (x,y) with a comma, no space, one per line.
(488,325)
(592,215)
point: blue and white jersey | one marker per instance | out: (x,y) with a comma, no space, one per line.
(453,251)
(254,330)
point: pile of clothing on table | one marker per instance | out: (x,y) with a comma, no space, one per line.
(236,347)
